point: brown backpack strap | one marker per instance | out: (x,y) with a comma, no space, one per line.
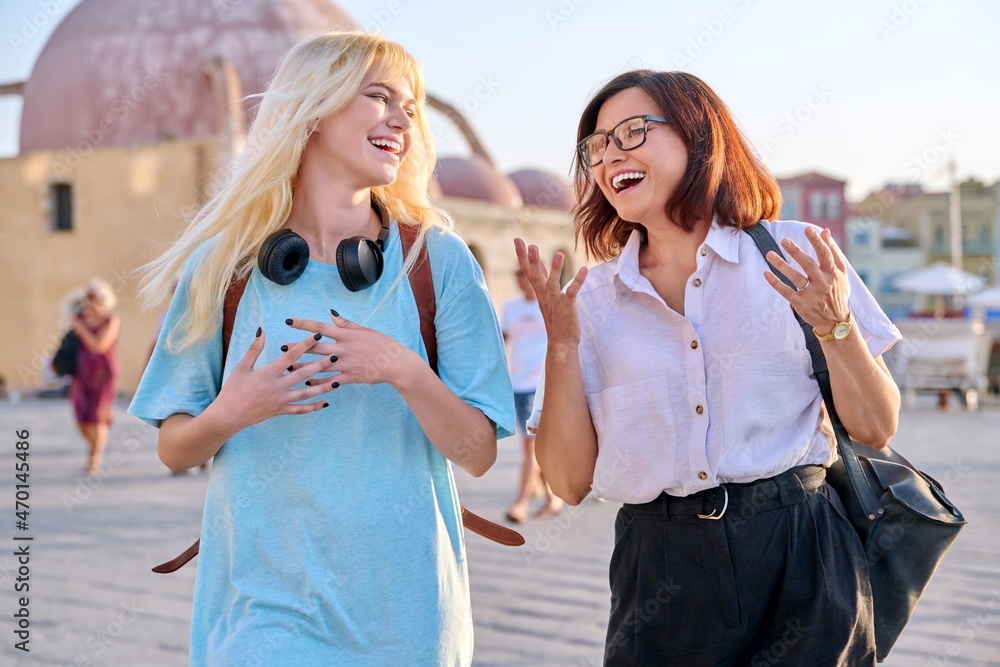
(422,284)
(180,561)
(229,306)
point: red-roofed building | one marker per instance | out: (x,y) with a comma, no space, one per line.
(815,198)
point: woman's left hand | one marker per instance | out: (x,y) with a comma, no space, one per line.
(821,298)
(360,355)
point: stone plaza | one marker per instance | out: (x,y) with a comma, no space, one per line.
(94,601)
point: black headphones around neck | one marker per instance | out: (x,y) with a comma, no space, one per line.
(285,254)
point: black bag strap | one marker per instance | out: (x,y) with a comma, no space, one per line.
(765,242)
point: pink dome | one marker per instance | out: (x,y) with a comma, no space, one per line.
(540,188)
(118,72)
(474,178)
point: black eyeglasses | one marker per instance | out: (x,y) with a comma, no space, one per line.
(628,135)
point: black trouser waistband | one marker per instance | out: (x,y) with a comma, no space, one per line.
(788,488)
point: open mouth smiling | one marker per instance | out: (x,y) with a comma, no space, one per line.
(387,145)
(626,180)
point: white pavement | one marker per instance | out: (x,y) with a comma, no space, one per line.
(93,600)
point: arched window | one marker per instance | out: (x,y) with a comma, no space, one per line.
(61,207)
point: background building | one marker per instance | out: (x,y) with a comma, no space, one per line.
(880,254)
(817,199)
(925,216)
(132,106)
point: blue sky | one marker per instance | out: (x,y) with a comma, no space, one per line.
(867,91)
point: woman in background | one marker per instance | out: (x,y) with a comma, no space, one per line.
(93,387)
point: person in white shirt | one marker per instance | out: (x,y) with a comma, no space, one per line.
(677,381)
(524,330)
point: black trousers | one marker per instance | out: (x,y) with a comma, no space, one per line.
(780,579)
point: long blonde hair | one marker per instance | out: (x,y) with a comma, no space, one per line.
(316,78)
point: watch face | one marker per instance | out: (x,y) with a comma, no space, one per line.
(841,330)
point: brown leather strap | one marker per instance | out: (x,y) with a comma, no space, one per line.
(422,285)
(471,520)
(179,562)
(491,531)
(229,306)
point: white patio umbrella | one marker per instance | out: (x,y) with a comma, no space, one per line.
(989,298)
(939,278)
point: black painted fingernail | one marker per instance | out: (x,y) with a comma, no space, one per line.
(259,332)
(317,336)
(289,321)
(333,358)
(334,313)
(284,348)
(290,369)
(334,385)
(326,405)
(307,383)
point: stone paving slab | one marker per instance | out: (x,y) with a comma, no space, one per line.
(93,600)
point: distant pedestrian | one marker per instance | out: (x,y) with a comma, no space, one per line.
(93,387)
(524,331)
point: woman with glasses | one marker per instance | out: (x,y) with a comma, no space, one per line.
(677,381)
(332,532)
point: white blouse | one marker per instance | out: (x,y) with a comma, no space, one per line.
(723,393)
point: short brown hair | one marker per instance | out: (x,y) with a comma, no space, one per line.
(724,176)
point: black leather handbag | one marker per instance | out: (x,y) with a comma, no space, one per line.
(64,361)
(904,520)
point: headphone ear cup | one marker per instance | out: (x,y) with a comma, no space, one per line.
(360,262)
(283,257)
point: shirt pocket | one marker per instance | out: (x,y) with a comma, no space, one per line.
(764,398)
(635,427)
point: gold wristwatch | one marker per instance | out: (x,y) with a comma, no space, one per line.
(840,330)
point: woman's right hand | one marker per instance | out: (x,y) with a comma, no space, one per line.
(562,323)
(251,395)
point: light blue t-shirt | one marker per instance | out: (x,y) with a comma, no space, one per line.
(335,538)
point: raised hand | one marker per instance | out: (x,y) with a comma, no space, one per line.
(562,323)
(360,355)
(821,298)
(253,395)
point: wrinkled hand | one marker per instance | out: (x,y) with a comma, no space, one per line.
(823,301)
(360,355)
(254,395)
(562,322)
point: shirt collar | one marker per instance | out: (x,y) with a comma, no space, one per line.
(627,266)
(724,241)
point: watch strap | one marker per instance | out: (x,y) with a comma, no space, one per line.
(832,335)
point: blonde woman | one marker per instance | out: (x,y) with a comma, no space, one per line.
(332,533)
(93,387)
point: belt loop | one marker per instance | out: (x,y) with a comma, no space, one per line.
(665,506)
(790,488)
